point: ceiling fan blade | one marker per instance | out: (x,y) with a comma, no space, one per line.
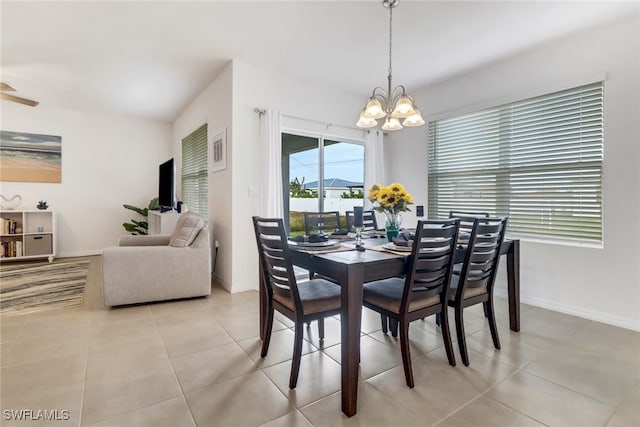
(19,100)
(6,87)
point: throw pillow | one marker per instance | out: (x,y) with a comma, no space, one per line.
(187,229)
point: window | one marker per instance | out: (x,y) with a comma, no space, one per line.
(315,165)
(195,188)
(539,161)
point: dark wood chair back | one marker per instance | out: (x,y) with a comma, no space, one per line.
(424,291)
(482,257)
(311,300)
(321,222)
(466,220)
(277,270)
(431,262)
(369,220)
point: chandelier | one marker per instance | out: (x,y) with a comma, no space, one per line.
(390,105)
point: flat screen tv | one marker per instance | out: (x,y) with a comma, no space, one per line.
(167,185)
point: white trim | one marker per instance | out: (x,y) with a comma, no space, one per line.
(556,241)
(243,287)
(314,134)
(315,129)
(219,280)
(573,310)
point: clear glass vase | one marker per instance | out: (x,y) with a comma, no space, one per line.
(392,225)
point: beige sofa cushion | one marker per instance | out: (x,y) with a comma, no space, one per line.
(187,229)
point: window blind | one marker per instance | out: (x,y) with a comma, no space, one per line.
(539,161)
(195,187)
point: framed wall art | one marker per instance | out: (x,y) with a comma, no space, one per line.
(30,157)
(218,151)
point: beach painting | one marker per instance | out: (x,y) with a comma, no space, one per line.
(30,157)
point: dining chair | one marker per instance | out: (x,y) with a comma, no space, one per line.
(321,222)
(369,221)
(466,224)
(466,220)
(300,302)
(424,289)
(474,284)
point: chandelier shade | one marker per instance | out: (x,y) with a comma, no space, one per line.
(374,109)
(391,123)
(390,105)
(365,121)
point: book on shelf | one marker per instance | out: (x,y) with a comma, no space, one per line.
(11,249)
(8,226)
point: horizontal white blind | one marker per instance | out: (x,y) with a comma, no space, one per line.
(195,187)
(539,161)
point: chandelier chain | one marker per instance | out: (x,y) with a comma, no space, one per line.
(390,38)
(396,107)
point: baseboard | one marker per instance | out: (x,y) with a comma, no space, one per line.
(243,288)
(218,279)
(572,310)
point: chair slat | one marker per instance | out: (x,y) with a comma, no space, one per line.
(369,220)
(480,257)
(444,232)
(315,222)
(431,263)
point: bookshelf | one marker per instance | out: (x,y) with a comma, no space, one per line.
(27,235)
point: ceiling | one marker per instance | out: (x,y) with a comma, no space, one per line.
(149,59)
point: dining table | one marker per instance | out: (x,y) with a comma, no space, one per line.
(351,268)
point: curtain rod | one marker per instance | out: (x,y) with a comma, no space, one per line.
(262,111)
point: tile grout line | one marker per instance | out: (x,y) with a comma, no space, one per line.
(173,369)
(92,267)
(485,394)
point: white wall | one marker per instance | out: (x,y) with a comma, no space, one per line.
(256,87)
(107,161)
(600,284)
(212,106)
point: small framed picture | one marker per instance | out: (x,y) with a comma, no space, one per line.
(218,151)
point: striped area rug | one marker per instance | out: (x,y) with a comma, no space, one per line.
(28,288)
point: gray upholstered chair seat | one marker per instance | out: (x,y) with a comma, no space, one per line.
(301,302)
(422,292)
(316,295)
(387,294)
(468,292)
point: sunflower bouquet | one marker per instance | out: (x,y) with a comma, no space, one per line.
(391,199)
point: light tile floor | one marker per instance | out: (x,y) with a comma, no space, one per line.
(197,363)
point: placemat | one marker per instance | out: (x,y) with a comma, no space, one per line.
(341,248)
(383,249)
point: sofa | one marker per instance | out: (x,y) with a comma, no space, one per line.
(159,267)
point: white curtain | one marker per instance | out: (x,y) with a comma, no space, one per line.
(373,163)
(271,203)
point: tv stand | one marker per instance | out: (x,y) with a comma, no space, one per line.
(162,222)
(164,209)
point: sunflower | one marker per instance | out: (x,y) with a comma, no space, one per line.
(373,193)
(392,198)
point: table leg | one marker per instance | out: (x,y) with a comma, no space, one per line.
(513,284)
(350,328)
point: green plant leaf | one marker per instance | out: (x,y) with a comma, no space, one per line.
(153,204)
(142,212)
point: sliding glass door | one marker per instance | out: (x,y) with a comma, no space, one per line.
(320,175)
